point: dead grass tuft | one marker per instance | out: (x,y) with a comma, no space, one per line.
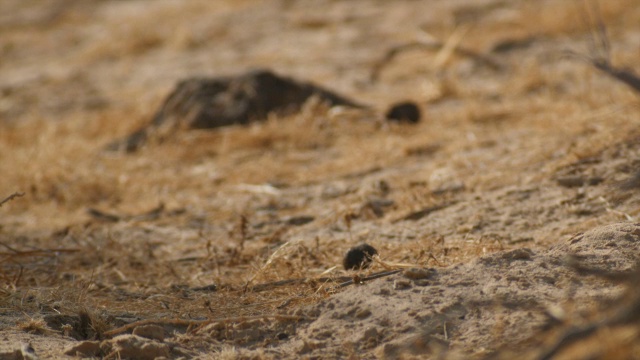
(35,326)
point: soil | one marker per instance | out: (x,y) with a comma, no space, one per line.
(505,220)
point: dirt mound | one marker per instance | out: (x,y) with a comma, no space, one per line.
(202,103)
(500,300)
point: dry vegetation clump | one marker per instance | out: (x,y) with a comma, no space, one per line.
(35,326)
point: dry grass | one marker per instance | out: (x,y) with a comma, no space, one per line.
(35,326)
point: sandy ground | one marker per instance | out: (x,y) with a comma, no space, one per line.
(498,219)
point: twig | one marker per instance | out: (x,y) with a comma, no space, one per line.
(627,77)
(434,259)
(417,215)
(437,45)
(627,314)
(343,280)
(274,284)
(38,252)
(391,265)
(267,263)
(449,46)
(201,323)
(134,324)
(16,281)
(615,276)
(600,49)
(101,215)
(11,197)
(9,247)
(149,215)
(368,278)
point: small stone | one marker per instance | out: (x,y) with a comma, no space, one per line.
(299,220)
(404,112)
(359,257)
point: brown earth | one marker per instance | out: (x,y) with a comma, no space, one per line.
(505,210)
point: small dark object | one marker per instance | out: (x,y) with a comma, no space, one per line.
(417,215)
(600,57)
(11,197)
(101,215)
(300,220)
(404,112)
(149,215)
(359,257)
(509,45)
(207,288)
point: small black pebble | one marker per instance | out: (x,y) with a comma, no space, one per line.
(359,257)
(404,112)
(282,336)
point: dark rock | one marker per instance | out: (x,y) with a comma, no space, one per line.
(300,220)
(207,103)
(512,44)
(404,112)
(359,257)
